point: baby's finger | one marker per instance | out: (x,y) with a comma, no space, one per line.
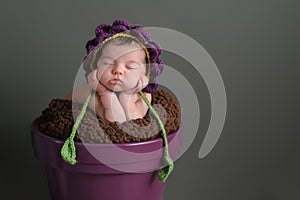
(140,85)
(144,82)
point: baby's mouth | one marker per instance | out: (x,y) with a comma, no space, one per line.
(115,81)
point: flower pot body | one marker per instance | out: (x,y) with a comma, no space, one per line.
(103,171)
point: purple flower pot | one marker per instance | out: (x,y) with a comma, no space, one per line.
(129,176)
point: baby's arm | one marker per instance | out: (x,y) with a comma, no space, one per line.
(131,101)
(134,106)
(113,111)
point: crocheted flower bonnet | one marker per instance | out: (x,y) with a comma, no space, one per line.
(121,28)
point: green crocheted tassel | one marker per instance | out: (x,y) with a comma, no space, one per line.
(68,151)
(166,171)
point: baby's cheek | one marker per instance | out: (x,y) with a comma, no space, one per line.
(131,78)
(100,73)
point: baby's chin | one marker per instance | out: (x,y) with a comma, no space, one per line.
(117,88)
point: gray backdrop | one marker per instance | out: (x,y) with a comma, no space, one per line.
(254,43)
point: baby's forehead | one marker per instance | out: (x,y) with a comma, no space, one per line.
(130,50)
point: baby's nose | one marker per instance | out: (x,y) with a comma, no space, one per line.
(118,69)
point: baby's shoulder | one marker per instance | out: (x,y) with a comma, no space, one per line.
(139,98)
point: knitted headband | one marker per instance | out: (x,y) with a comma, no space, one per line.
(105,33)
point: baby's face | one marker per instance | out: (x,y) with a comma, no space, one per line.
(120,66)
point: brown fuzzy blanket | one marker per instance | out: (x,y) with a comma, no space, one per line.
(57,121)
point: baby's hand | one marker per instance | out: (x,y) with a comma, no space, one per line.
(141,84)
(95,84)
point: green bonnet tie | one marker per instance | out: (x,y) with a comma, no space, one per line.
(68,151)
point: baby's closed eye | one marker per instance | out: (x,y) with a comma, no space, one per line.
(132,66)
(108,63)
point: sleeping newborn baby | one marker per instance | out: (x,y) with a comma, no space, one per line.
(124,63)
